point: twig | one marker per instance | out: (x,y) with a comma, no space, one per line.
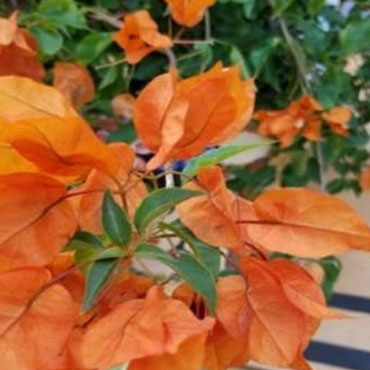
(111,64)
(170,56)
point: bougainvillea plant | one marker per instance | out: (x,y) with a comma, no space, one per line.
(114,257)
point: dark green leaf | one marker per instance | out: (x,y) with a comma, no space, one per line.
(98,275)
(332,267)
(49,40)
(207,254)
(62,13)
(189,268)
(159,202)
(115,221)
(92,46)
(314,6)
(236,57)
(355,36)
(125,134)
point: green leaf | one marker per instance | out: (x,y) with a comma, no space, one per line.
(315,6)
(215,156)
(207,254)
(236,57)
(281,5)
(159,202)
(62,13)
(259,55)
(92,46)
(187,267)
(97,277)
(49,40)
(332,267)
(109,77)
(355,36)
(249,7)
(115,221)
(126,134)
(83,239)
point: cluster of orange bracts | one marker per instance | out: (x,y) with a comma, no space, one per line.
(53,174)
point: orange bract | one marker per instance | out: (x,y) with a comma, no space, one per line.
(212,217)
(41,125)
(139,36)
(123,105)
(303,116)
(18,51)
(74,82)
(178,119)
(129,188)
(40,221)
(189,12)
(37,320)
(140,328)
(306,223)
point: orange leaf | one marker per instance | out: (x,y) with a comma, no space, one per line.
(89,205)
(123,105)
(36,221)
(74,82)
(43,127)
(140,328)
(35,322)
(178,119)
(139,36)
(18,51)
(224,351)
(306,223)
(365,178)
(301,290)
(277,327)
(189,13)
(338,119)
(286,124)
(212,217)
(232,308)
(189,356)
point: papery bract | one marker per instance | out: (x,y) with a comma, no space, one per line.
(213,217)
(189,13)
(44,128)
(126,187)
(35,322)
(18,51)
(74,82)
(36,219)
(305,223)
(140,328)
(178,119)
(139,36)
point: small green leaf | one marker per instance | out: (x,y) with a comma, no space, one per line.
(315,6)
(97,277)
(332,267)
(49,40)
(115,221)
(282,5)
(125,134)
(207,254)
(236,57)
(187,267)
(249,7)
(83,239)
(159,202)
(355,36)
(92,46)
(62,13)
(109,77)
(215,156)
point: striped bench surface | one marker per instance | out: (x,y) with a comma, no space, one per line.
(344,344)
